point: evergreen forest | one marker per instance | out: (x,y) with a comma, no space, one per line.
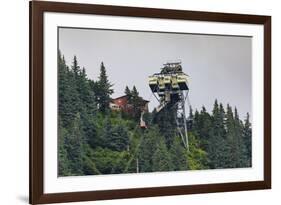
(93,139)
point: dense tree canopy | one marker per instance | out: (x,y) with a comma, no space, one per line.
(95,140)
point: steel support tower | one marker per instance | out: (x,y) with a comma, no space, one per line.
(170,88)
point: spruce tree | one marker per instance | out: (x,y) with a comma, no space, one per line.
(232,155)
(135,101)
(161,160)
(216,144)
(167,124)
(147,149)
(240,160)
(75,67)
(74,146)
(247,139)
(119,139)
(89,166)
(222,119)
(63,163)
(178,155)
(197,157)
(128,94)
(241,146)
(62,90)
(190,119)
(75,103)
(69,102)
(87,94)
(196,124)
(204,128)
(90,129)
(104,139)
(104,90)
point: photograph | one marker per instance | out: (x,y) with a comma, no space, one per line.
(132,101)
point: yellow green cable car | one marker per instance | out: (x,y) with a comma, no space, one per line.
(153,83)
(175,85)
(182,81)
(161,83)
(171,78)
(167,81)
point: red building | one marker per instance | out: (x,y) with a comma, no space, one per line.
(121,103)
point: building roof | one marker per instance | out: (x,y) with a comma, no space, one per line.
(125,96)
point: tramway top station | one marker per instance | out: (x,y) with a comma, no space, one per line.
(171,78)
(169,83)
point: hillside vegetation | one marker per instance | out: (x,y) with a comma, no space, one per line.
(92,139)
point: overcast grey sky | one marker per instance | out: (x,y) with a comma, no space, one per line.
(219,66)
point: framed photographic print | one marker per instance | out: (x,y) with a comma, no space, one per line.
(137,102)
